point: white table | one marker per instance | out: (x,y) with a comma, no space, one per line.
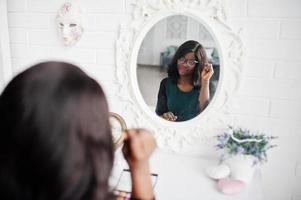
(184,178)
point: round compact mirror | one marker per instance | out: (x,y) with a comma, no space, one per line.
(118,126)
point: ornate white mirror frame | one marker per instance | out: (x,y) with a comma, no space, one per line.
(175,135)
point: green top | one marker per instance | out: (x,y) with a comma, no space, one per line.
(184,105)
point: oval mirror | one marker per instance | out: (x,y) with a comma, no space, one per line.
(178,68)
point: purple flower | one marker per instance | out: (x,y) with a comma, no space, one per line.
(240,150)
(223,139)
(219,146)
(256,146)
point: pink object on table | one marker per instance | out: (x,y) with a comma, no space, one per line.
(230,186)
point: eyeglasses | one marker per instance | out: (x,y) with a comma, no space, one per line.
(190,63)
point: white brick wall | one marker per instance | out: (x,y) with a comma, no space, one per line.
(16,6)
(257,28)
(268,99)
(33,36)
(30,21)
(274,8)
(251,106)
(287,70)
(256,68)
(290,29)
(273,49)
(272,77)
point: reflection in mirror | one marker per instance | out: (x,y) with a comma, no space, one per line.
(178,71)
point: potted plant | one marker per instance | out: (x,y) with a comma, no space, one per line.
(243,150)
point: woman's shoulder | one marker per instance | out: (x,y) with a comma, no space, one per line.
(168,83)
(167,80)
(164,82)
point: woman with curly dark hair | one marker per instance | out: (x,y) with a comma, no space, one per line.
(185,92)
(56,141)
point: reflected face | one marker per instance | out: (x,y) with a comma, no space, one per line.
(69,24)
(186,64)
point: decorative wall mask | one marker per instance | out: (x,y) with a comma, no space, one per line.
(69,23)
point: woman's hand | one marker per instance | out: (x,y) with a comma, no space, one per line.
(207,72)
(138,146)
(169,116)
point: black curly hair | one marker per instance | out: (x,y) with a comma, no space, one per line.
(199,54)
(56,139)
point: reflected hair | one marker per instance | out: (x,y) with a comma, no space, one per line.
(56,139)
(199,54)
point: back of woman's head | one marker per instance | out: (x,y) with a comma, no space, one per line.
(55,135)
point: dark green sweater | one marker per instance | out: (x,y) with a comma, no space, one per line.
(184,105)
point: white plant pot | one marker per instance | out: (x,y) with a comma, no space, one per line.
(241,167)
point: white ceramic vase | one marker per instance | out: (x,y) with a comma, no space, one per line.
(241,167)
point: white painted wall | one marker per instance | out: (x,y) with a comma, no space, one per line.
(270,94)
(33,36)
(5,56)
